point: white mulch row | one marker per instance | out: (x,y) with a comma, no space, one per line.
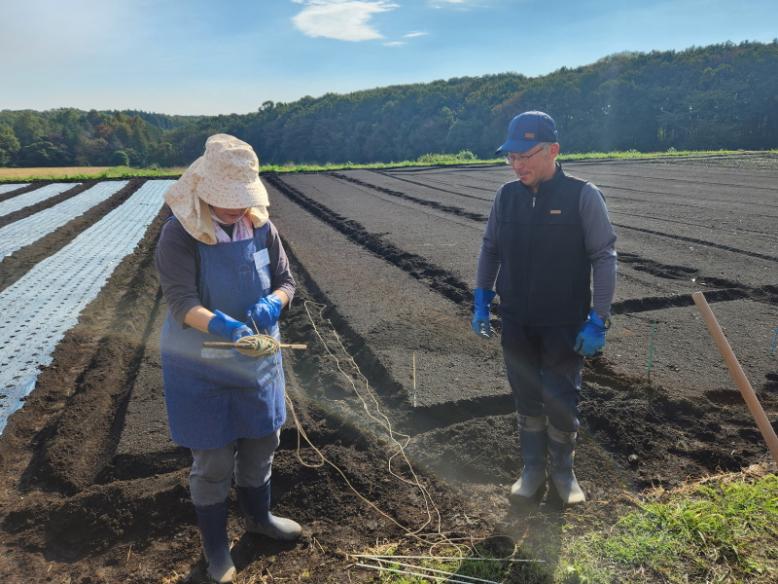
(30,229)
(34,197)
(7,188)
(42,306)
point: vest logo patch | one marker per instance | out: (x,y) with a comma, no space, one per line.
(529,135)
(555,212)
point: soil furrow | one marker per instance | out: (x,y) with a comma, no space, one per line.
(68,420)
(694,181)
(728,248)
(458,211)
(422,184)
(403,415)
(418,267)
(94,415)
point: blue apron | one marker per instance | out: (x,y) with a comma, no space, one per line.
(214,396)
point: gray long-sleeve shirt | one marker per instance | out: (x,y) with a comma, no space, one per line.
(176,261)
(599,239)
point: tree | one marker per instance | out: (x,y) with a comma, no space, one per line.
(120,158)
(9,145)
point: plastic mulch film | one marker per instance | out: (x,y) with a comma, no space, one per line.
(34,197)
(41,307)
(7,188)
(30,229)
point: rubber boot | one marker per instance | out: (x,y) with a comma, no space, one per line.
(532,440)
(255,503)
(561,452)
(212,520)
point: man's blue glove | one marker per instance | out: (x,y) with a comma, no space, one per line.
(591,339)
(265,313)
(223,325)
(480,323)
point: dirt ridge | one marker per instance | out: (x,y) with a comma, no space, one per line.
(438,279)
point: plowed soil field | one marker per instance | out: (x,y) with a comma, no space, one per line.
(93,490)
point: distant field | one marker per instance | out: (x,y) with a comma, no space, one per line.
(51,171)
(742,159)
(82,172)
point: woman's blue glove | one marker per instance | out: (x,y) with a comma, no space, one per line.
(591,339)
(480,323)
(265,313)
(223,325)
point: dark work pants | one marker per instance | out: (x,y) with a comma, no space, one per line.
(544,371)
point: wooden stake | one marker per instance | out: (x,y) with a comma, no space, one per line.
(228,345)
(737,374)
(413,376)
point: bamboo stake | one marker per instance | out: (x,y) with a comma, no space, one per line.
(451,578)
(229,345)
(448,558)
(737,374)
(413,376)
(432,571)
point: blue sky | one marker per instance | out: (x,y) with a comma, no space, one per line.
(209,57)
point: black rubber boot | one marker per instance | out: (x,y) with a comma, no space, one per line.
(212,521)
(561,452)
(532,440)
(255,503)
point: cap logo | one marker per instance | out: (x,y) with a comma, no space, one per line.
(529,135)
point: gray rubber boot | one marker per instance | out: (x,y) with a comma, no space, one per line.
(532,440)
(212,521)
(255,502)
(561,452)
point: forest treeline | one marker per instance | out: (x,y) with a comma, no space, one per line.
(716,97)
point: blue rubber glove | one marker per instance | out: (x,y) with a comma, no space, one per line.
(223,325)
(265,313)
(480,323)
(591,339)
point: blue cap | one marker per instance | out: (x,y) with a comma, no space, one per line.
(527,130)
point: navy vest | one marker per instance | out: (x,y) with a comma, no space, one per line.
(545,272)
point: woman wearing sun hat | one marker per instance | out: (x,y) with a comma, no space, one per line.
(222,268)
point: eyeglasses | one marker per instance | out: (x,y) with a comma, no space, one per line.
(512,157)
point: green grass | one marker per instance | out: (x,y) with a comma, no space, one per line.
(720,531)
(464,157)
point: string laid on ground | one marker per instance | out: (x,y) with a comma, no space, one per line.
(462,549)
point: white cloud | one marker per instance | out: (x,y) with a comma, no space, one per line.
(414,34)
(394,43)
(343,20)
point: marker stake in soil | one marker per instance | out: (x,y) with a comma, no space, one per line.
(413,375)
(737,374)
(650,359)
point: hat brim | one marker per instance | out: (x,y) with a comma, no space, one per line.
(517,146)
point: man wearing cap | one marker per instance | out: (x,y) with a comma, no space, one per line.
(550,247)
(222,268)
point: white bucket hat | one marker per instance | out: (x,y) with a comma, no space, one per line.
(226,176)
